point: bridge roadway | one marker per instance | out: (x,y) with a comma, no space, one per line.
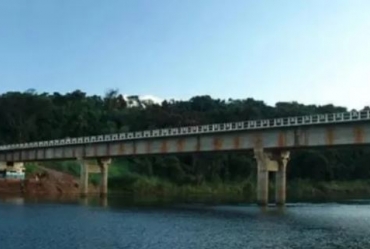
(271,140)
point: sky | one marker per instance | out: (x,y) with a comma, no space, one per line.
(310,51)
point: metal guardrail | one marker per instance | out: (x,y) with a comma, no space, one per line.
(202,129)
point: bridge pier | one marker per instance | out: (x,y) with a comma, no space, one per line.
(84,177)
(103,165)
(271,162)
(86,168)
(280,178)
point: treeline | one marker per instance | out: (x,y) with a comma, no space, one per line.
(30,116)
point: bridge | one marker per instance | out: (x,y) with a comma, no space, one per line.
(270,139)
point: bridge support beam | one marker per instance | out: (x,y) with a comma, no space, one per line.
(280,178)
(101,168)
(84,177)
(271,162)
(103,165)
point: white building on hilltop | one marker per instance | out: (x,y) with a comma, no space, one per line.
(141,101)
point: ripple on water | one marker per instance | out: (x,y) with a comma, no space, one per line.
(57,226)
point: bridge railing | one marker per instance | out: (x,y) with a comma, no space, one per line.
(316,119)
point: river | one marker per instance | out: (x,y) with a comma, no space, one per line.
(117,223)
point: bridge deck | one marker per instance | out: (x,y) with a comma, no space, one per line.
(284,138)
(216,129)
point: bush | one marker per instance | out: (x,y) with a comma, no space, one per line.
(31,168)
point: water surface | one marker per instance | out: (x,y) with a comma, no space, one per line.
(122,224)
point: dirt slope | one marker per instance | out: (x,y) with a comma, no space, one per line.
(43,182)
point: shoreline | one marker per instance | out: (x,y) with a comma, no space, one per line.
(155,189)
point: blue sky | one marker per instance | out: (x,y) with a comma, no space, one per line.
(310,51)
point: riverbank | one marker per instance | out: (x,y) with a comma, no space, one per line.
(46,181)
(43,181)
(307,189)
(296,189)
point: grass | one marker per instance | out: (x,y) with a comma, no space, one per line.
(143,185)
(121,179)
(69,167)
(31,168)
(300,189)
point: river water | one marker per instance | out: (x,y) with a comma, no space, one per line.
(117,223)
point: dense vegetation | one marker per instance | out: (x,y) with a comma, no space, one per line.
(31,116)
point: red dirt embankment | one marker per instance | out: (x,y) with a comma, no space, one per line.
(43,182)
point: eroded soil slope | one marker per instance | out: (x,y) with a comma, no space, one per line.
(43,182)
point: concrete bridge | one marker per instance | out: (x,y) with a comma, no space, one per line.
(270,139)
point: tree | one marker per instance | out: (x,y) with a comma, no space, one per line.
(29,116)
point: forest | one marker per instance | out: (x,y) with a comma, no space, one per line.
(31,116)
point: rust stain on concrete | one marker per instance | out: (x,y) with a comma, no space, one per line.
(164,146)
(197,146)
(134,148)
(63,152)
(121,148)
(282,139)
(236,142)
(306,137)
(257,140)
(95,149)
(180,144)
(44,152)
(148,147)
(297,137)
(359,135)
(329,135)
(83,151)
(108,149)
(217,143)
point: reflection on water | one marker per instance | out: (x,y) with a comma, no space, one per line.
(14,200)
(132,222)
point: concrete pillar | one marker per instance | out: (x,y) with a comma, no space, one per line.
(280,178)
(262,177)
(271,162)
(262,186)
(84,178)
(104,164)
